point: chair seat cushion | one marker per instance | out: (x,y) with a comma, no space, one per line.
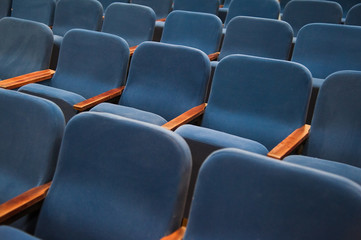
(10,233)
(57,40)
(130,112)
(317,82)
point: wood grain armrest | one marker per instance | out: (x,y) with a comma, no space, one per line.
(23,201)
(185,117)
(213,56)
(132,49)
(161,20)
(22,80)
(91,102)
(290,143)
(221,6)
(177,235)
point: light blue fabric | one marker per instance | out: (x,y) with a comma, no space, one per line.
(5,8)
(134,23)
(25,46)
(205,6)
(354,15)
(160,7)
(35,10)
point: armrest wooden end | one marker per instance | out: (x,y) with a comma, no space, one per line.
(22,80)
(132,49)
(23,201)
(290,143)
(213,56)
(177,235)
(161,20)
(91,102)
(185,117)
(221,6)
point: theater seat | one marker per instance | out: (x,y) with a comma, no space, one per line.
(35,10)
(354,15)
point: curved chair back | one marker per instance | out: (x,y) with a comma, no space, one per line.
(5,8)
(166,79)
(347,5)
(25,47)
(261,99)
(253,8)
(69,14)
(299,13)
(160,7)
(335,128)
(91,63)
(257,36)
(134,23)
(205,6)
(193,29)
(35,10)
(328,48)
(131,190)
(354,15)
(107,3)
(242,195)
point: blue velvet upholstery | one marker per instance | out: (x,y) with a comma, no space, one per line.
(254,8)
(299,13)
(25,47)
(134,23)
(10,233)
(31,133)
(257,36)
(241,195)
(90,63)
(35,10)
(193,29)
(164,79)
(107,3)
(205,6)
(5,8)
(160,7)
(347,5)
(354,15)
(116,179)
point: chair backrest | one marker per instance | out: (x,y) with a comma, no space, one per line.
(160,7)
(257,36)
(25,47)
(32,129)
(116,178)
(5,8)
(327,48)
(257,98)
(354,15)
(335,128)
(193,29)
(69,14)
(134,23)
(166,79)
(35,10)
(242,195)
(106,3)
(205,6)
(347,5)
(253,8)
(298,13)
(91,62)
(283,4)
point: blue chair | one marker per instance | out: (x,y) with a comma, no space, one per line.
(222,11)
(204,6)
(160,7)
(164,82)
(299,13)
(25,47)
(107,3)
(354,15)
(134,23)
(35,10)
(32,130)
(90,64)
(5,8)
(241,195)
(347,5)
(193,29)
(116,179)
(253,8)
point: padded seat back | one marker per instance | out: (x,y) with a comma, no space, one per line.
(5,8)
(160,7)
(35,10)
(107,3)
(354,15)
(205,6)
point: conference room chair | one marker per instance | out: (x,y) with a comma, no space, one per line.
(160,7)
(32,130)
(116,178)
(353,16)
(35,10)
(5,8)
(242,195)
(106,3)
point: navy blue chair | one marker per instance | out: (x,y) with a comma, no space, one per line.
(116,178)
(347,5)
(299,13)
(32,130)
(354,15)
(205,6)
(164,81)
(134,23)
(222,11)
(25,47)
(91,64)
(160,7)
(241,195)
(35,10)
(107,3)
(5,8)
(193,29)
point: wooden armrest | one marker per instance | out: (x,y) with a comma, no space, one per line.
(221,6)
(161,19)
(23,201)
(91,102)
(177,235)
(22,80)
(290,143)
(185,117)
(213,56)
(132,49)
